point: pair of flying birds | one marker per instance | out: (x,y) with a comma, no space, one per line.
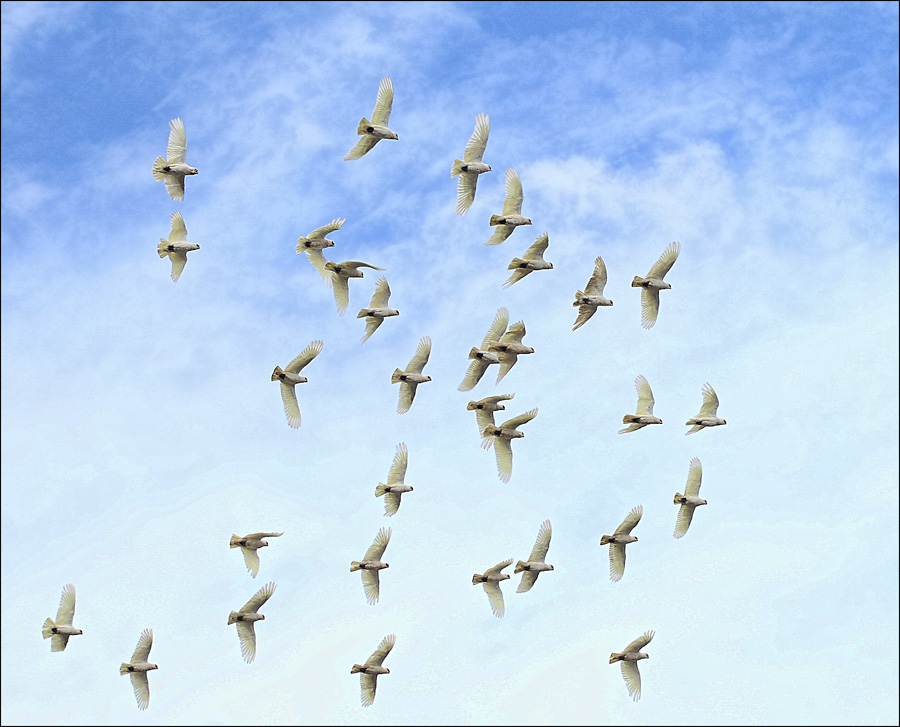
(644,414)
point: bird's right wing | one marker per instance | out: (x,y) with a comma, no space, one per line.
(66,612)
(584,315)
(178,232)
(247,635)
(497,328)
(397,473)
(495,597)
(649,307)
(58,642)
(630,521)
(141,686)
(291,407)
(384,648)
(597,281)
(177,149)
(479,139)
(665,262)
(542,543)
(304,357)
(391,503)
(362,147)
(616,561)
(473,376)
(258,536)
(382,294)
(498,568)
(371,326)
(632,678)
(420,357)
(683,521)
(695,474)
(341,287)
(321,232)
(632,428)
(251,560)
(537,248)
(515,333)
(641,641)
(383,103)
(501,232)
(503,450)
(645,400)
(529,577)
(484,419)
(144,644)
(379,545)
(516,276)
(407,394)
(710,402)
(518,421)
(175,186)
(465,192)
(317,258)
(512,202)
(259,598)
(179,260)
(367,685)
(371,585)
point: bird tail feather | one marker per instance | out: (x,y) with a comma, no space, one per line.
(232,618)
(495,220)
(636,283)
(476,579)
(47,629)
(520,566)
(604,539)
(614,657)
(380,489)
(516,262)
(356,668)
(678,497)
(395,377)
(158,173)
(278,370)
(629,419)
(578,296)
(233,543)
(161,248)
(456,169)
(361,128)
(355,565)
(124,668)
(363,313)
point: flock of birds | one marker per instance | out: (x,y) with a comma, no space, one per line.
(501,346)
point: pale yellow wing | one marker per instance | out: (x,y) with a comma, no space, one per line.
(144,644)
(584,315)
(371,326)
(631,520)
(641,641)
(304,357)
(484,419)
(465,192)
(632,678)
(179,260)
(371,585)
(518,421)
(141,686)
(362,147)
(420,357)
(665,262)
(383,102)
(397,472)
(515,333)
(497,329)
(597,281)
(529,577)
(382,294)
(391,503)
(291,407)
(479,139)
(368,684)
(66,613)
(177,150)
(710,402)
(683,521)
(542,543)
(341,287)
(616,562)
(251,557)
(317,258)
(178,232)
(649,307)
(247,636)
(503,450)
(175,186)
(379,545)
(512,202)
(473,376)
(259,536)
(537,248)
(501,233)
(321,232)
(407,394)
(495,597)
(384,648)
(695,474)
(516,276)
(259,598)
(498,568)
(645,400)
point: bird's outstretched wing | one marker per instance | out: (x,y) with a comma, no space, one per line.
(645,400)
(473,376)
(478,141)
(383,103)
(710,402)
(407,394)
(515,333)
(597,282)
(175,186)
(259,598)
(371,585)
(251,557)
(362,147)
(500,234)
(503,450)
(178,232)
(542,543)
(630,521)
(66,612)
(379,545)
(537,248)
(304,357)
(371,326)
(141,686)
(632,678)
(649,307)
(665,262)
(512,202)
(397,472)
(683,521)
(497,328)
(341,287)
(144,644)
(382,294)
(291,407)
(641,641)
(177,150)
(247,636)
(465,192)
(495,596)
(420,357)
(518,421)
(695,474)
(321,232)
(616,561)
(259,536)
(584,315)
(384,648)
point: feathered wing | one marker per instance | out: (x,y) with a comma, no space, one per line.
(259,536)
(371,326)
(379,545)
(597,282)
(473,376)
(397,472)
(341,287)
(512,202)
(542,543)
(420,357)
(141,686)
(632,678)
(518,421)
(175,186)
(58,642)
(371,585)
(497,328)
(478,141)
(616,561)
(484,419)
(251,557)
(384,648)
(641,641)
(465,192)
(317,258)
(710,402)
(515,334)
(142,650)
(304,357)
(259,598)
(683,521)
(632,428)
(382,294)
(177,149)
(178,233)
(66,612)
(179,260)
(630,521)
(321,232)
(391,503)
(362,147)
(495,597)
(368,683)
(665,262)
(645,400)
(649,307)
(503,450)
(501,232)
(291,407)
(383,102)
(584,315)
(407,394)
(529,578)
(537,248)
(247,636)
(516,276)
(695,474)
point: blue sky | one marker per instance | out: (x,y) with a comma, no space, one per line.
(140,428)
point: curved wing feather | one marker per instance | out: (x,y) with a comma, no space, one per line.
(478,141)
(142,650)
(632,678)
(383,102)
(247,636)
(384,648)
(66,612)
(178,232)
(362,147)
(259,598)
(503,449)
(649,307)
(710,402)
(177,149)
(141,686)
(665,262)
(497,328)
(321,232)
(695,475)
(518,421)
(291,407)
(379,545)
(645,400)
(616,561)
(597,282)
(397,473)
(304,357)
(512,202)
(420,357)
(630,521)
(251,560)
(495,597)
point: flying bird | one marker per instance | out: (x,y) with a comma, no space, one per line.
(490,579)
(618,540)
(707,416)
(484,357)
(317,240)
(377,129)
(510,347)
(289,377)
(60,630)
(471,166)
(501,438)
(644,414)
(396,486)
(368,672)
(484,410)
(337,275)
(689,500)
(410,379)
(510,216)
(533,259)
(653,283)
(176,247)
(138,667)
(591,297)
(629,659)
(173,169)
(246,617)
(378,308)
(535,564)
(249,544)
(371,564)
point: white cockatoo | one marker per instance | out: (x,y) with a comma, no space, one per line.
(533,259)
(485,408)
(410,379)
(393,490)
(629,659)
(249,544)
(337,275)
(490,579)
(378,308)
(689,500)
(246,617)
(510,347)
(377,129)
(371,564)
(618,540)
(510,216)
(535,564)
(289,377)
(707,416)
(589,299)
(176,247)
(368,672)
(173,169)
(484,357)
(501,437)
(471,165)
(653,282)
(317,239)
(138,667)
(60,630)
(644,414)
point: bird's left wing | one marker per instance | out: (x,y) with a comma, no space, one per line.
(495,597)
(178,232)
(141,686)
(291,407)
(503,450)
(631,520)
(379,545)
(382,293)
(518,421)
(321,232)
(710,402)
(645,400)
(66,612)
(512,202)
(665,262)
(536,250)
(247,636)
(144,644)
(497,329)
(632,678)
(641,641)
(383,103)
(259,598)
(384,648)
(397,472)
(542,543)
(420,357)
(362,147)
(695,474)
(177,150)
(304,357)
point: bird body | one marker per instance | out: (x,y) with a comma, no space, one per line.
(511,215)
(176,247)
(289,377)
(317,240)
(410,379)
(653,282)
(173,168)
(371,564)
(689,500)
(707,416)
(644,414)
(588,300)
(336,275)
(484,357)
(532,259)
(61,629)
(629,658)
(138,667)
(370,671)
(491,580)
(378,308)
(247,617)
(471,165)
(396,485)
(618,540)
(510,347)
(377,129)
(249,544)
(501,436)
(535,565)
(484,411)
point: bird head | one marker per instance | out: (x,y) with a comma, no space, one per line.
(665,286)
(427,378)
(152,666)
(262,617)
(552,568)
(301,380)
(551,266)
(635,538)
(394,135)
(263,544)
(504,576)
(387,671)
(79,632)
(194,170)
(530,349)
(724,422)
(489,167)
(704,502)
(411,488)
(329,243)
(527,220)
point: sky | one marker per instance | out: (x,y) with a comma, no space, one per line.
(140,427)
